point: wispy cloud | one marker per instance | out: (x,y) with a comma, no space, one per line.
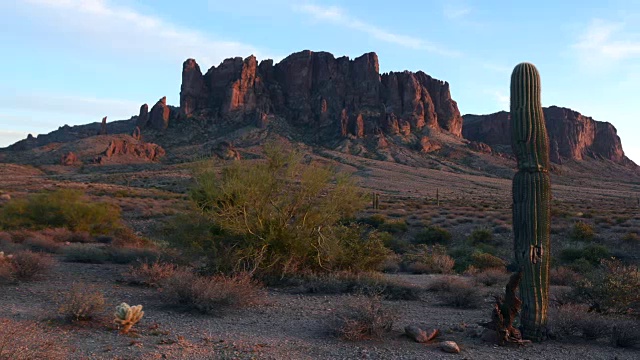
(454,10)
(604,44)
(501,99)
(102,24)
(339,16)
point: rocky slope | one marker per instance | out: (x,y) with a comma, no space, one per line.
(572,136)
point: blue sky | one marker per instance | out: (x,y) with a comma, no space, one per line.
(75,61)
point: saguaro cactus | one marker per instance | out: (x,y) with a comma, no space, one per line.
(531,198)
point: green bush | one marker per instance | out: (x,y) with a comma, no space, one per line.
(433,235)
(60,209)
(614,287)
(374,220)
(592,253)
(394,227)
(481,236)
(582,231)
(484,261)
(281,216)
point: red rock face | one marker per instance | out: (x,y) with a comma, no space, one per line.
(192,91)
(159,115)
(143,117)
(322,94)
(70,159)
(141,150)
(571,135)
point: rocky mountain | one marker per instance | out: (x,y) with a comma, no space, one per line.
(338,104)
(572,136)
(330,97)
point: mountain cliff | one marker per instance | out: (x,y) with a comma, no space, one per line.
(572,136)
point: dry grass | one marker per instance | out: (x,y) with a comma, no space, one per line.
(81,303)
(212,294)
(151,274)
(492,276)
(28,265)
(363,318)
(21,340)
(456,292)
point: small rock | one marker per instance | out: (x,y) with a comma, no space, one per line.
(450,347)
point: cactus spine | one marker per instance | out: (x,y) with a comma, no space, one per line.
(531,198)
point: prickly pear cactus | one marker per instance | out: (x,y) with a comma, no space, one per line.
(531,199)
(127,316)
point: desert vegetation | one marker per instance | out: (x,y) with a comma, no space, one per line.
(287,249)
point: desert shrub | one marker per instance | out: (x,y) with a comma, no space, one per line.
(461,294)
(492,276)
(363,318)
(374,220)
(396,244)
(591,253)
(59,235)
(575,320)
(28,265)
(582,231)
(369,284)
(391,264)
(433,235)
(42,243)
(60,208)
(85,254)
(429,260)
(81,302)
(212,294)
(563,276)
(151,274)
(613,288)
(125,237)
(631,237)
(446,283)
(7,272)
(23,340)
(625,333)
(394,227)
(281,216)
(484,261)
(481,236)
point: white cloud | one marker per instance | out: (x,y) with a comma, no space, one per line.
(339,16)
(101,24)
(603,44)
(501,99)
(453,10)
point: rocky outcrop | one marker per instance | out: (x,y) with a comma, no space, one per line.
(572,136)
(70,159)
(103,127)
(327,96)
(131,149)
(480,147)
(143,116)
(159,115)
(137,134)
(192,92)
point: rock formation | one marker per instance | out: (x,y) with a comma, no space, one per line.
(159,115)
(137,133)
(143,116)
(136,149)
(70,159)
(225,151)
(103,127)
(328,96)
(572,136)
